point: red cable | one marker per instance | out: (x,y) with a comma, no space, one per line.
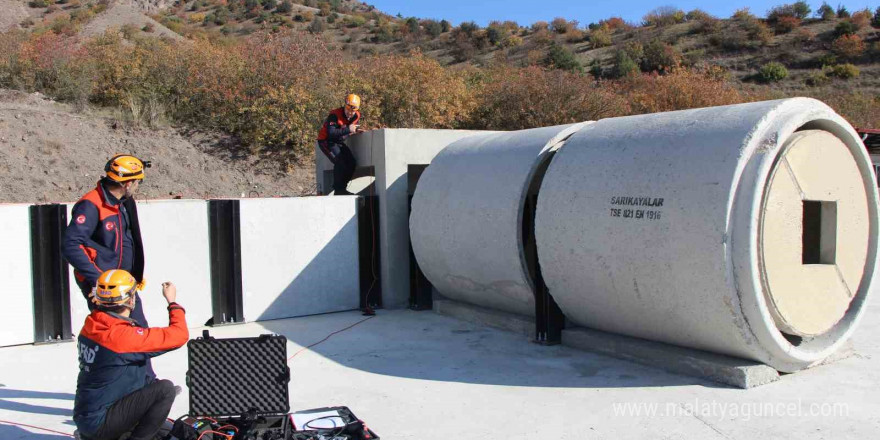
(35,427)
(328,337)
(214,432)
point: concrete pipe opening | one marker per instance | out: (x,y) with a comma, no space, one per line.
(468,216)
(748,230)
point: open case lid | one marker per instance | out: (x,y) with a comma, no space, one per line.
(229,377)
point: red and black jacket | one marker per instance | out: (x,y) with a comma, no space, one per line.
(103,234)
(335,129)
(113,351)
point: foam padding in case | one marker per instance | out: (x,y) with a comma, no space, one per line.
(228,377)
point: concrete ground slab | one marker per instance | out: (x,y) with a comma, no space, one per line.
(727,370)
(422,376)
(522,325)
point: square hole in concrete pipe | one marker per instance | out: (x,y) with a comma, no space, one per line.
(820,232)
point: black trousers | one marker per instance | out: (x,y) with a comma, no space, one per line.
(344,164)
(137,314)
(141,413)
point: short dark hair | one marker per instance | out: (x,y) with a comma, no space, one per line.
(111,184)
(114,309)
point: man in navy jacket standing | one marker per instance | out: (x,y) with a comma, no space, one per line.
(104,232)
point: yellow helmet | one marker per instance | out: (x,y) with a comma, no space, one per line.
(353,102)
(115,287)
(125,167)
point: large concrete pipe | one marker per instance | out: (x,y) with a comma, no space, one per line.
(467,216)
(749,230)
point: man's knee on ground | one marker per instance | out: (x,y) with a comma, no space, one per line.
(166,388)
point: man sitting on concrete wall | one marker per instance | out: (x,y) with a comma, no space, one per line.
(114,395)
(339,125)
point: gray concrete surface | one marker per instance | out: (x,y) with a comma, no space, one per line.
(299,256)
(467,216)
(649,226)
(725,370)
(522,325)
(421,376)
(689,362)
(390,152)
(17,314)
(180,254)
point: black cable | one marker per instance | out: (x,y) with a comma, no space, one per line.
(341,429)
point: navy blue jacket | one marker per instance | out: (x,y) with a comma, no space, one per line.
(103,234)
(113,353)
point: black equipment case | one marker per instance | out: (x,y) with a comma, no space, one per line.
(242,382)
(238,390)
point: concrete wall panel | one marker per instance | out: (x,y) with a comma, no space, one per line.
(17,313)
(299,256)
(176,249)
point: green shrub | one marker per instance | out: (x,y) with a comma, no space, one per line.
(562,58)
(828,59)
(842,12)
(842,71)
(355,21)
(698,15)
(600,37)
(433,28)
(825,12)
(317,26)
(845,27)
(285,7)
(39,3)
(799,10)
(817,79)
(772,72)
(596,69)
(660,57)
(664,16)
(624,65)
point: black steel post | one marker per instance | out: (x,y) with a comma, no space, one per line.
(549,320)
(368,252)
(225,243)
(51,286)
(420,289)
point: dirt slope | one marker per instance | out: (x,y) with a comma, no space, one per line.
(119,15)
(50,154)
(12,12)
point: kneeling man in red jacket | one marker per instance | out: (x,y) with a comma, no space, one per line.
(114,393)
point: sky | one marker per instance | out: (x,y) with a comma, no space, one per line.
(526,12)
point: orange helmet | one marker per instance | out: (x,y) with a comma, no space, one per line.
(353,102)
(125,167)
(115,287)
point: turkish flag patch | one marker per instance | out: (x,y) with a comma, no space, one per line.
(109,226)
(80,219)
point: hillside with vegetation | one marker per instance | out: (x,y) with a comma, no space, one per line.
(266,71)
